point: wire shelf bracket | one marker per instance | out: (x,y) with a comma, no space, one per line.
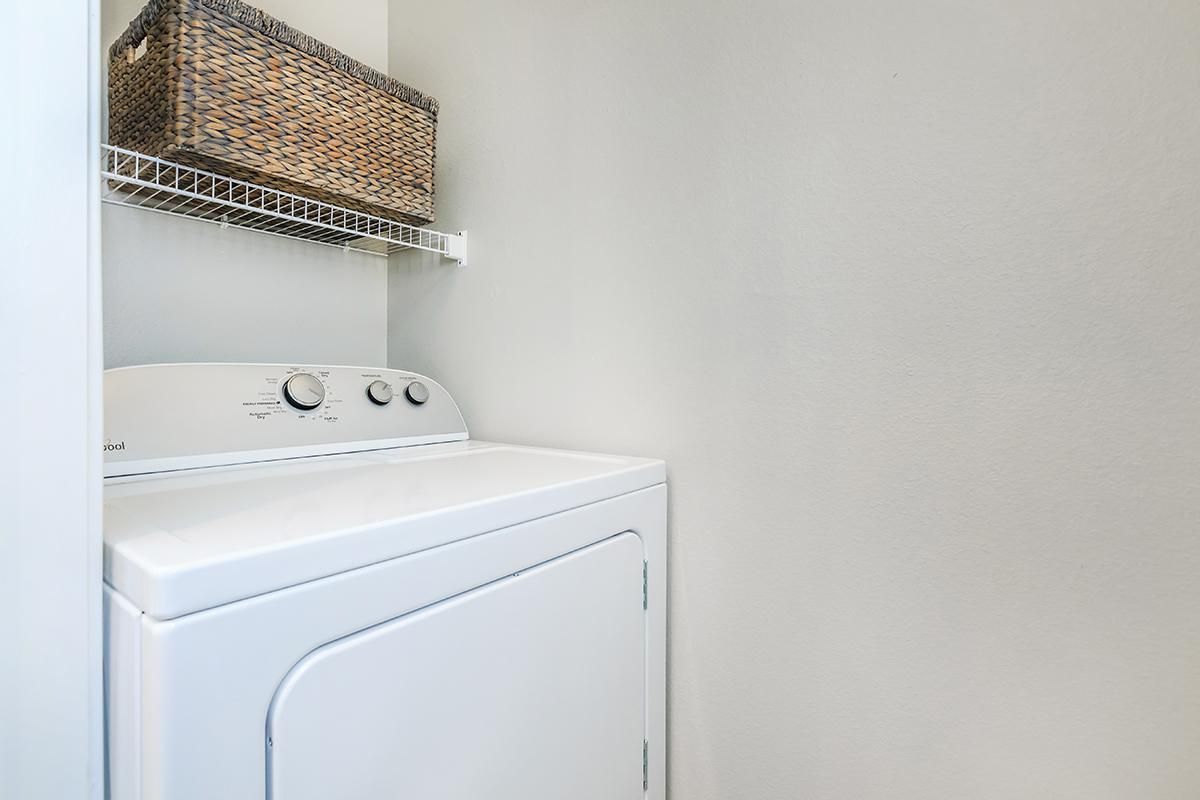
(134,179)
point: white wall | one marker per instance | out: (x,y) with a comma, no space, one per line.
(50,628)
(181,290)
(907,295)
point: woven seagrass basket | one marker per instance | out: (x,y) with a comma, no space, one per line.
(221,86)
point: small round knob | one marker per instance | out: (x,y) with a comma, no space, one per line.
(380,392)
(417,393)
(304,391)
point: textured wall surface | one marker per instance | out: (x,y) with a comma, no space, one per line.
(179,290)
(908,296)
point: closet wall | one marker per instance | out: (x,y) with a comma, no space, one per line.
(907,295)
(181,290)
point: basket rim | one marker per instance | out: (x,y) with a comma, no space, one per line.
(262,22)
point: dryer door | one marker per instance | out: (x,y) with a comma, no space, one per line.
(529,688)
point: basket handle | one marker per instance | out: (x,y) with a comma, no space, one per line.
(134,36)
(132,53)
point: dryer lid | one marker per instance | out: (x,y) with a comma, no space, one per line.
(181,542)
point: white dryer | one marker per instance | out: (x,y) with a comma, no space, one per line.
(317,586)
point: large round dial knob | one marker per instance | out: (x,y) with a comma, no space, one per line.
(304,391)
(417,393)
(380,392)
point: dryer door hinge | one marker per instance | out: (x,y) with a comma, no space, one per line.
(645,585)
(645,765)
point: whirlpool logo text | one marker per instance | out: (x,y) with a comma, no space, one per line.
(111,446)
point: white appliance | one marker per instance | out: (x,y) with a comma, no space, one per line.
(319,587)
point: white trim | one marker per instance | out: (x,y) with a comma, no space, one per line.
(97,127)
(51,701)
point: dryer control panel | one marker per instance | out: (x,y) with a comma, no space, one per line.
(165,417)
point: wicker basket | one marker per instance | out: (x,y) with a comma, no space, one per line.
(219,85)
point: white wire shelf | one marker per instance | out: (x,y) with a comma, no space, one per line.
(142,181)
